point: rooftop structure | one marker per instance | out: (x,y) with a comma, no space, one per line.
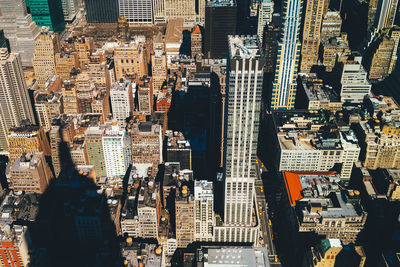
(233,256)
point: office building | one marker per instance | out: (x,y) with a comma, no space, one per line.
(265,11)
(48,107)
(287,62)
(65,63)
(121,96)
(191,11)
(144,87)
(304,147)
(83,46)
(70,102)
(70,9)
(372,7)
(335,50)
(94,150)
(130,60)
(331,25)
(55,140)
(146,140)
(330,210)
(178,149)
(184,213)
(15,104)
(48,13)
(113,148)
(381,59)
(14,246)
(220,21)
(28,139)
(149,209)
(331,252)
(96,13)
(196,42)
(204,219)
(385,14)
(44,64)
(19,29)
(158,63)
(30,173)
(136,11)
(270,43)
(354,83)
(241,132)
(314,14)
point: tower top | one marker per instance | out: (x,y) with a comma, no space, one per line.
(244,46)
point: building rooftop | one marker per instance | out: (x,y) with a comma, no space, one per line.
(242,46)
(27,162)
(176,140)
(234,256)
(221,3)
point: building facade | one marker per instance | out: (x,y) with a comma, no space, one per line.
(136,11)
(284,86)
(48,13)
(265,11)
(96,13)
(204,219)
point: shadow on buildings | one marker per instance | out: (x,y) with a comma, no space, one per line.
(73,226)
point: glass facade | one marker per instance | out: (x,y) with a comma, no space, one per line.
(101,11)
(48,13)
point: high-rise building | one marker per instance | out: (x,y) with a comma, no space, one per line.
(191,11)
(395,35)
(65,63)
(158,63)
(136,11)
(311,34)
(27,139)
(270,43)
(220,21)
(354,83)
(70,9)
(19,29)
(178,149)
(55,140)
(372,7)
(196,42)
(4,43)
(331,25)
(30,173)
(44,65)
(144,87)
(245,70)
(14,246)
(146,144)
(113,149)
(130,60)
(287,62)
(204,219)
(15,105)
(96,13)
(121,101)
(48,13)
(70,103)
(380,64)
(48,107)
(94,150)
(385,14)
(265,11)
(149,209)
(184,211)
(335,50)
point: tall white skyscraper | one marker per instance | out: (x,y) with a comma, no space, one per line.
(265,11)
(19,29)
(204,219)
(113,149)
(121,101)
(287,62)
(136,11)
(15,105)
(245,79)
(354,83)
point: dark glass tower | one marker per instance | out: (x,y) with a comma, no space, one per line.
(101,11)
(48,13)
(220,21)
(4,41)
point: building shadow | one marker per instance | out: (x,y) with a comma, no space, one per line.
(73,226)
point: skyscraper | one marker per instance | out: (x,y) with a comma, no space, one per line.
(245,79)
(96,13)
(44,63)
(220,22)
(15,105)
(265,11)
(136,11)
(19,29)
(48,13)
(204,219)
(191,11)
(70,9)
(158,63)
(385,14)
(311,34)
(285,85)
